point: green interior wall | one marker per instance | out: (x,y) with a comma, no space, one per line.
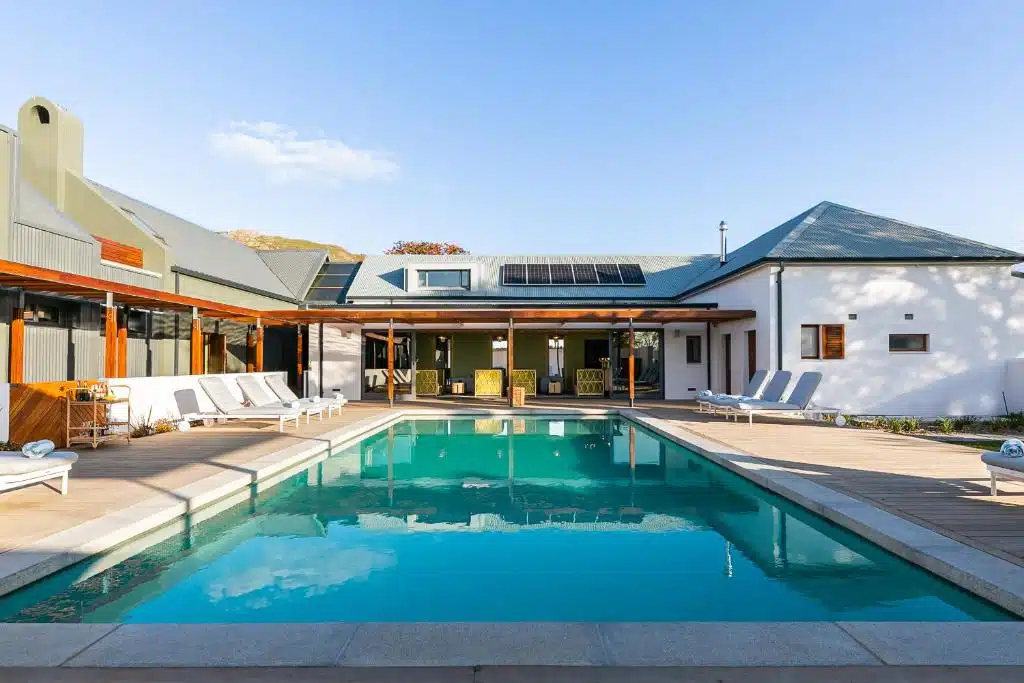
(470,352)
(574,354)
(425,347)
(531,352)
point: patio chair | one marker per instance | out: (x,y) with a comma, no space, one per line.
(283,392)
(16,470)
(754,389)
(229,408)
(257,394)
(797,401)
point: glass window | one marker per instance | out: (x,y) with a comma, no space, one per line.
(810,341)
(693,349)
(499,352)
(556,356)
(902,343)
(447,279)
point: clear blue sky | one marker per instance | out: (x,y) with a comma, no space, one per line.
(542,125)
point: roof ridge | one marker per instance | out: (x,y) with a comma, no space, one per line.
(812,215)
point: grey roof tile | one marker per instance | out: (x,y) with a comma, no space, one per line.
(382,277)
(199,250)
(296,268)
(36,210)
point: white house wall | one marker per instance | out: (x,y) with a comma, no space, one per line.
(973,314)
(342,360)
(683,381)
(754,290)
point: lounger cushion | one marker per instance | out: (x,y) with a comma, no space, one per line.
(765,405)
(1000,460)
(12,464)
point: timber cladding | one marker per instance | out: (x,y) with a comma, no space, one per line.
(38,412)
(117,252)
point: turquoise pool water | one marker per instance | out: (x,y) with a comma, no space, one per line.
(504,520)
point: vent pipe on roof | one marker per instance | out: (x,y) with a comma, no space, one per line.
(722,256)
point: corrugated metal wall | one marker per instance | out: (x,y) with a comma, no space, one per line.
(138,357)
(46,357)
(48,250)
(128,277)
(89,350)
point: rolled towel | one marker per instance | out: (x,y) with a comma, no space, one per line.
(1012,448)
(37,449)
(705,394)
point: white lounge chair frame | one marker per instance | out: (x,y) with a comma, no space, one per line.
(255,392)
(755,387)
(243,413)
(17,481)
(795,404)
(283,392)
(994,472)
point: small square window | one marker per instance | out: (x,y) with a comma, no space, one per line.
(908,343)
(693,347)
(908,316)
(443,279)
(852,316)
(810,341)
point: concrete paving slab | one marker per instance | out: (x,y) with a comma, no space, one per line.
(940,644)
(212,645)
(732,644)
(469,644)
(46,644)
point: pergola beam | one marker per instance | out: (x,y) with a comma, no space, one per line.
(517,315)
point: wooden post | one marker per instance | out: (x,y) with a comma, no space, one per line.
(110,342)
(250,351)
(196,359)
(16,370)
(510,353)
(259,345)
(632,362)
(391,362)
(298,361)
(122,344)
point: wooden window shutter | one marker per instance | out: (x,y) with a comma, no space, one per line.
(119,253)
(833,342)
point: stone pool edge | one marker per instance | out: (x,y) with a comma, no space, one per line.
(990,577)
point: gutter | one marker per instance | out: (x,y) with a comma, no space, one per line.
(486,305)
(234,285)
(778,315)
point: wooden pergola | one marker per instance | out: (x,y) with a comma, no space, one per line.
(112,296)
(509,316)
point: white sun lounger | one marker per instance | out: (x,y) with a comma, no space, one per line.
(1000,466)
(16,470)
(257,394)
(753,389)
(279,387)
(229,407)
(797,401)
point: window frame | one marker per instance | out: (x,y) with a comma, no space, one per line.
(820,341)
(925,336)
(700,349)
(817,342)
(465,276)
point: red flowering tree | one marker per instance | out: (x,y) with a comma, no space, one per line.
(426,248)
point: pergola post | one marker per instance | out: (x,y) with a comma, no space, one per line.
(391,362)
(259,345)
(250,350)
(196,357)
(511,364)
(110,341)
(632,364)
(122,344)
(298,361)
(16,369)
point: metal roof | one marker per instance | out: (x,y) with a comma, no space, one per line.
(383,277)
(36,210)
(296,268)
(201,251)
(833,232)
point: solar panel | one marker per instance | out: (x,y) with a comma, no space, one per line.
(632,274)
(515,274)
(608,274)
(340,268)
(561,274)
(538,274)
(329,280)
(584,273)
(326,294)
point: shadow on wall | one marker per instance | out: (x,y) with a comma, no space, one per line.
(973,316)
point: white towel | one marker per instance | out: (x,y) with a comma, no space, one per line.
(707,393)
(1012,448)
(316,399)
(37,449)
(291,404)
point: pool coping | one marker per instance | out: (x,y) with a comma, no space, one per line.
(480,644)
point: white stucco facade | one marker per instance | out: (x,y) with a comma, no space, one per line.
(341,365)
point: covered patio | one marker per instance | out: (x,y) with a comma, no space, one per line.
(487,353)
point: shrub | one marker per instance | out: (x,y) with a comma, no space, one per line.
(147,426)
(962,422)
(896,425)
(997,424)
(9,446)
(163,425)
(946,425)
(1015,420)
(912,424)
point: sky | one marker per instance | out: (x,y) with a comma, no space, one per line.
(540,126)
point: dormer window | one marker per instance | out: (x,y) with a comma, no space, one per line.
(443,279)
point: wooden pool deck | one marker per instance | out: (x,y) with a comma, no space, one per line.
(941,486)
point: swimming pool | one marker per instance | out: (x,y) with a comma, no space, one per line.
(505,519)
